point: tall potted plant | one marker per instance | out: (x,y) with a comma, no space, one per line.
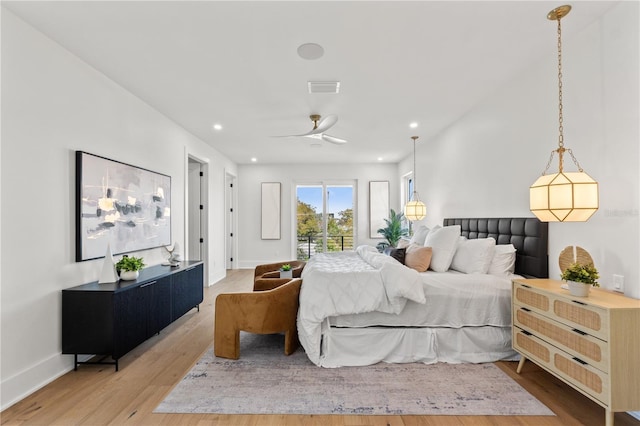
(394,230)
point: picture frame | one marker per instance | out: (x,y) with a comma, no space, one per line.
(270,211)
(378,207)
(120,205)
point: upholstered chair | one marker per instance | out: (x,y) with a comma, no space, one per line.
(262,312)
(266,277)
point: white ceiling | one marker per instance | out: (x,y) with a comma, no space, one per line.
(235,63)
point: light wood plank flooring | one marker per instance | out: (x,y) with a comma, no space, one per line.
(96,395)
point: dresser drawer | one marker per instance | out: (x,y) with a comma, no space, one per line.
(583,346)
(531,298)
(567,310)
(574,371)
(582,316)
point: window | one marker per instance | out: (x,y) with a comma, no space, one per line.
(324,218)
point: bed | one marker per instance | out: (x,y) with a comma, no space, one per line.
(363,307)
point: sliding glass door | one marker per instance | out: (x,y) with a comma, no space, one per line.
(324,218)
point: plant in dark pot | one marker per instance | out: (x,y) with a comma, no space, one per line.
(394,230)
(129,267)
(580,278)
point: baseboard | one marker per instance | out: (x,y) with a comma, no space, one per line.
(23,384)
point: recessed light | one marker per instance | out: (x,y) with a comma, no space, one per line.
(379,158)
(254,159)
(310,51)
(413,125)
(217,127)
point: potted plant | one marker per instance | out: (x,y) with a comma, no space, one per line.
(580,278)
(285,271)
(394,230)
(129,267)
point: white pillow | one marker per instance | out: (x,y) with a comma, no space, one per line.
(443,241)
(504,260)
(419,235)
(473,256)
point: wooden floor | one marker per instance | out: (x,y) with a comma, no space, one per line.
(97,395)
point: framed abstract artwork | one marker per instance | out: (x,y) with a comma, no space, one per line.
(378,206)
(270,214)
(125,206)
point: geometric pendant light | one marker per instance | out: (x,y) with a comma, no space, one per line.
(415,209)
(563,196)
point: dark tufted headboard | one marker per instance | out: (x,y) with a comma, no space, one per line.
(528,235)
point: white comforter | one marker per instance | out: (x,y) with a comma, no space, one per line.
(350,283)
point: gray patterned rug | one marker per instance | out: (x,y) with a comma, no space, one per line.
(265,381)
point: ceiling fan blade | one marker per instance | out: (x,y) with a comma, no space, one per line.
(325,124)
(333,139)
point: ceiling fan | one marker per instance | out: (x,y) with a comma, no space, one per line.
(319,128)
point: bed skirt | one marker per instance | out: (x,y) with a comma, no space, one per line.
(366,346)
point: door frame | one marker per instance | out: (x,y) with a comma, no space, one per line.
(204,212)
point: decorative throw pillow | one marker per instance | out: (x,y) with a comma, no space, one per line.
(418,257)
(398,254)
(443,241)
(419,235)
(504,260)
(473,256)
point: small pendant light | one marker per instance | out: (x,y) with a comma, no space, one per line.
(415,209)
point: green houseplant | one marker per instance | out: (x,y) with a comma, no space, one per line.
(580,278)
(129,267)
(285,271)
(394,230)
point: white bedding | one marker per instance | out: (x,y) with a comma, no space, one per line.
(453,300)
(365,289)
(343,283)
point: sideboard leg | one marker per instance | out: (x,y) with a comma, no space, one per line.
(608,417)
(520,364)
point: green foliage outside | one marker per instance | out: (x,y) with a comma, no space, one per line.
(310,226)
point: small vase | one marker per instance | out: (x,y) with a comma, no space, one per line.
(286,274)
(578,289)
(129,275)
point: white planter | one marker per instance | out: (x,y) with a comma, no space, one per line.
(578,289)
(286,274)
(129,275)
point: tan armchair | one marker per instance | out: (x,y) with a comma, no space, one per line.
(262,312)
(266,277)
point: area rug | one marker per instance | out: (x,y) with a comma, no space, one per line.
(265,381)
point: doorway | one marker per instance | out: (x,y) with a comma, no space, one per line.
(197,208)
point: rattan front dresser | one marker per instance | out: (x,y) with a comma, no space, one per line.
(592,343)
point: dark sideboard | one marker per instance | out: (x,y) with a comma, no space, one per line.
(113,318)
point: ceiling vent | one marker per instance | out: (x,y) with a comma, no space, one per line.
(324,86)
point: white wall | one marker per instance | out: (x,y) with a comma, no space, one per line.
(483,165)
(253,250)
(54,104)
